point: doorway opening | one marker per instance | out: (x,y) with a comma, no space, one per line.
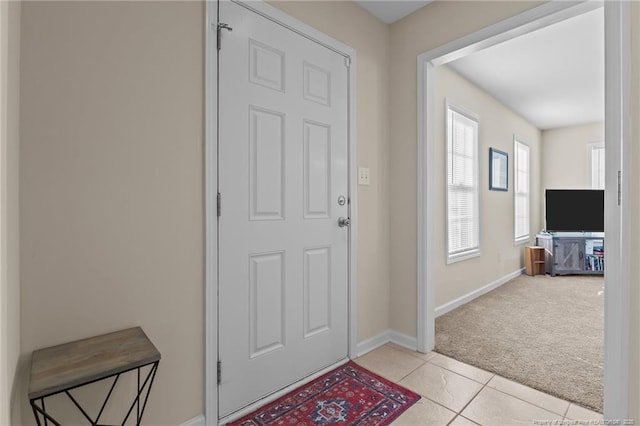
(616,84)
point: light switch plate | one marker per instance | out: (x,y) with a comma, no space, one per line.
(363,176)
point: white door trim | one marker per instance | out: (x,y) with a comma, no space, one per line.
(617,36)
(211,185)
(617,149)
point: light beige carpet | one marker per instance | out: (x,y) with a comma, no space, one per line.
(545,332)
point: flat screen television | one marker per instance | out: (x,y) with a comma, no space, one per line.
(574,210)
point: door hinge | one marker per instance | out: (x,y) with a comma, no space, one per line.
(219,371)
(222,26)
(347,61)
(619,187)
(219,203)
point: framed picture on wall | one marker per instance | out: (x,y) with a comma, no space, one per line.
(498,170)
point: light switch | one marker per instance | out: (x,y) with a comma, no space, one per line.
(363,176)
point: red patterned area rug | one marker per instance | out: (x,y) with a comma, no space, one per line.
(348,395)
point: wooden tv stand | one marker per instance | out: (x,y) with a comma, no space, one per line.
(578,253)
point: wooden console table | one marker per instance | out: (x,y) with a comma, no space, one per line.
(61,368)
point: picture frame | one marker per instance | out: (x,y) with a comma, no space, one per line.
(498,170)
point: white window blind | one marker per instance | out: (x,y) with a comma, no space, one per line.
(463,221)
(521,185)
(597,165)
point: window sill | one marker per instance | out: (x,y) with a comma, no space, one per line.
(459,257)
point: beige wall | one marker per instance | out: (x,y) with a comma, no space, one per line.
(634,218)
(432,26)
(565,158)
(352,25)
(111,175)
(10,264)
(498,124)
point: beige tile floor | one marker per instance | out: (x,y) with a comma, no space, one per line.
(454,393)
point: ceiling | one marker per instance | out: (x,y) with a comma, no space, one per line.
(553,77)
(389,11)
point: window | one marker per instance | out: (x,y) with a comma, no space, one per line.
(521,191)
(463,213)
(596,165)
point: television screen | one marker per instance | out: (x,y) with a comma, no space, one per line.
(575,210)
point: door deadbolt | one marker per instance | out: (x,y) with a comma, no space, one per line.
(342,200)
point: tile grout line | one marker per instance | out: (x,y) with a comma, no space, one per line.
(531,403)
(484,385)
(413,354)
(466,377)
(450,371)
(471,400)
(441,405)
(410,373)
(457,413)
(506,393)
(424,362)
(466,418)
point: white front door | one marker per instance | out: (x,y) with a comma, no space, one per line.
(283,167)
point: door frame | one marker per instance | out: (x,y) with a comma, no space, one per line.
(617,108)
(211,183)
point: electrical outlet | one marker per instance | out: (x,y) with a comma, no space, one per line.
(363,176)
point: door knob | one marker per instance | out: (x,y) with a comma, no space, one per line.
(343,221)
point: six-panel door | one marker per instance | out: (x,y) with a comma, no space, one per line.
(283,259)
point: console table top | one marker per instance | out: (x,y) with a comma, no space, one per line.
(66,366)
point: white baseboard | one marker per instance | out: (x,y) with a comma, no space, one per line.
(196,421)
(373,343)
(396,337)
(450,306)
(404,340)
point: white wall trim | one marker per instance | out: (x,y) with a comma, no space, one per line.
(617,149)
(425,200)
(353,202)
(450,306)
(524,239)
(211,220)
(374,342)
(590,148)
(196,421)
(385,337)
(211,185)
(533,19)
(404,340)
(617,65)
